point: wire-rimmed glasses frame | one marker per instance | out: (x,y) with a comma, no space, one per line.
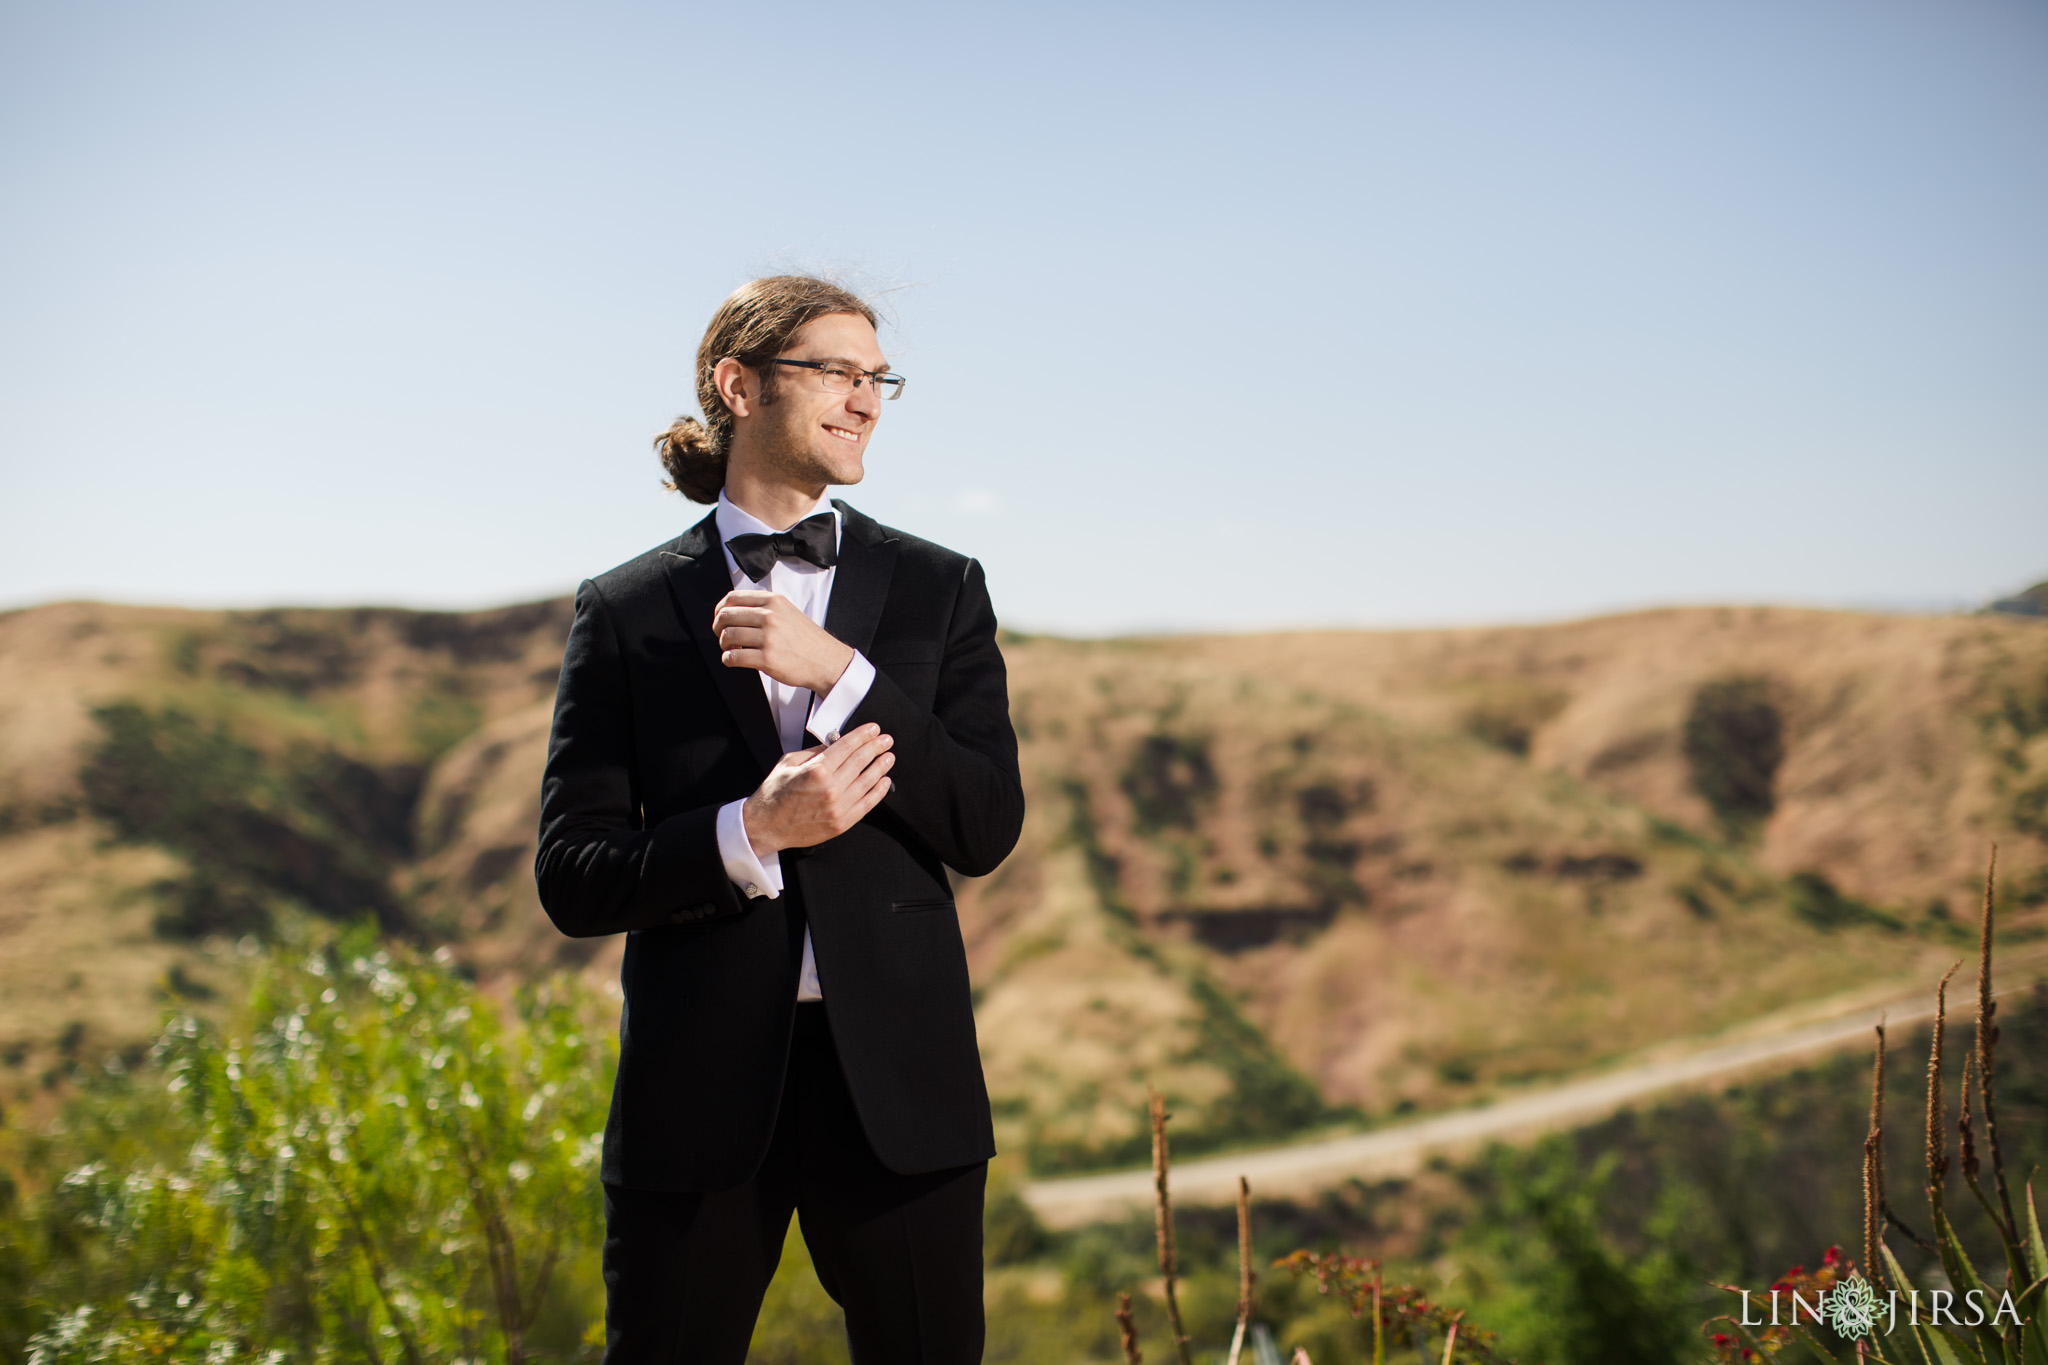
(838,377)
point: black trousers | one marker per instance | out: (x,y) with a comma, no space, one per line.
(901,1254)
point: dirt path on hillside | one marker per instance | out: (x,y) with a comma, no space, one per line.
(1302,1169)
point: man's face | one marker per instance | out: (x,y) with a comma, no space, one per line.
(812,436)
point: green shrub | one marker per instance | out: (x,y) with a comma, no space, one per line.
(1169,780)
(1816,900)
(2030,810)
(312,825)
(367,1164)
(1567,1294)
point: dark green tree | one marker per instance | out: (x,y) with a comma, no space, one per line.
(1734,741)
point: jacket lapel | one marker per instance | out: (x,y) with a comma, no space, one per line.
(697,578)
(860,587)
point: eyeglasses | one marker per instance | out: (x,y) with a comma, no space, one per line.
(834,377)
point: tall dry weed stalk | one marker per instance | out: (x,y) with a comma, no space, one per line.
(1169,1261)
(1987,1042)
(1937,1115)
(1245,1275)
(1873,1164)
(1878,1209)
(1127,1331)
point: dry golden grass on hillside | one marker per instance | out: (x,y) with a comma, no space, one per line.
(1889,786)
(1409,913)
(1407,866)
(83,972)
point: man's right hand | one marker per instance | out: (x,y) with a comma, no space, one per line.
(819,793)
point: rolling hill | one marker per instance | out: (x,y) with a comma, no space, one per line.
(1295,879)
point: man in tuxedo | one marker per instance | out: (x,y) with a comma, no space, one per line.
(772,738)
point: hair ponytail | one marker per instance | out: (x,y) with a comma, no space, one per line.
(694,459)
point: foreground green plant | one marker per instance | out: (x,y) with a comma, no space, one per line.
(1876,1309)
(1401,1313)
(378,1169)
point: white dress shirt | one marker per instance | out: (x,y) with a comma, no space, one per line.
(794,709)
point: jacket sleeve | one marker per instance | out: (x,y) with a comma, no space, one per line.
(957,784)
(598,870)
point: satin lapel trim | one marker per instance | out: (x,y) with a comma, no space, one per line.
(860,587)
(697,578)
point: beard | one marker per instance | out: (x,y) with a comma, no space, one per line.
(790,448)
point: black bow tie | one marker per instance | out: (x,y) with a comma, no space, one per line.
(811,540)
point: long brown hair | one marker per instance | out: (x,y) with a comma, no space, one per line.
(757,322)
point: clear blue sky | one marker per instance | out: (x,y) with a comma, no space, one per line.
(1214,316)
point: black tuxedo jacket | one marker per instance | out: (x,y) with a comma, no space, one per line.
(652,734)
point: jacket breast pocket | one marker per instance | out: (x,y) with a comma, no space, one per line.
(912,665)
(920,906)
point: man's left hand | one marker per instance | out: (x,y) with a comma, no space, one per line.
(765,631)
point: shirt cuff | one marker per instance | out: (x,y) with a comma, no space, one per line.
(752,874)
(829,716)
